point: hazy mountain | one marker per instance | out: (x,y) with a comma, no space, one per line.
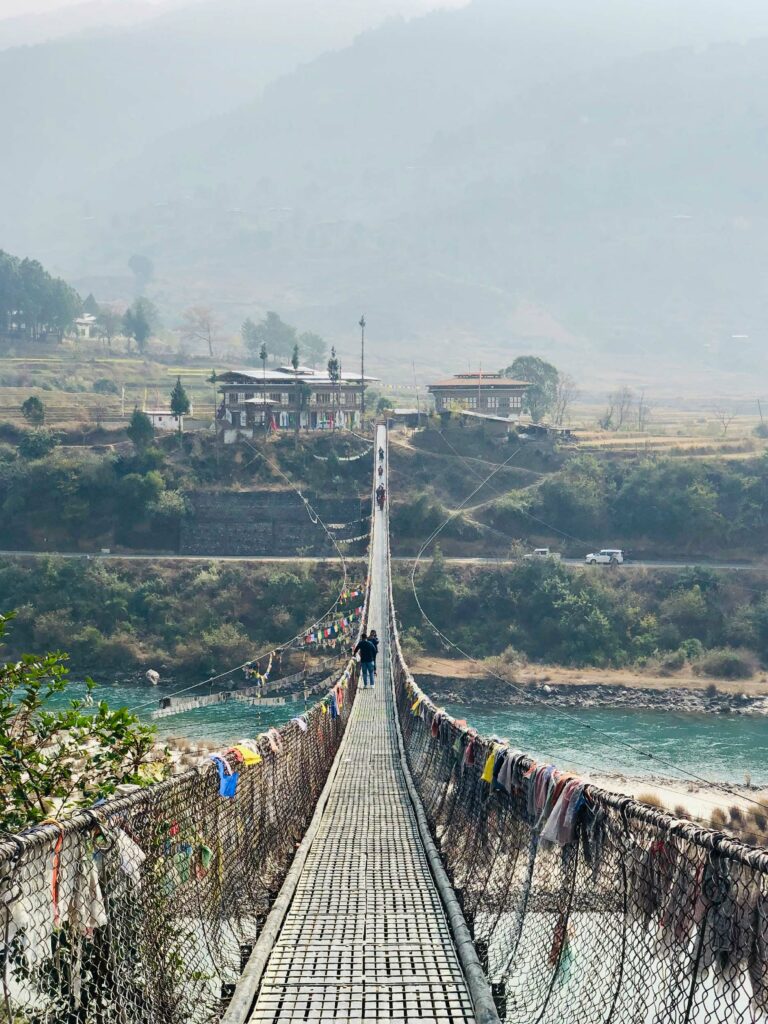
(578,177)
(90,16)
(84,103)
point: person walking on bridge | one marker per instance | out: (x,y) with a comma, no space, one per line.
(374,639)
(367,652)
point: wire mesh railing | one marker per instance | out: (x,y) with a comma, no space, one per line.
(586,907)
(143,910)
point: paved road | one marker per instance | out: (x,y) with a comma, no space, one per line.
(476,560)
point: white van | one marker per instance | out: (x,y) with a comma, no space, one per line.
(607,556)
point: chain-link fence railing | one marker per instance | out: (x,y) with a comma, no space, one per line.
(586,907)
(143,910)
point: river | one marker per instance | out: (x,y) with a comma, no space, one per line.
(590,740)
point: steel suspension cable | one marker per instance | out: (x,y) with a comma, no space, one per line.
(559,711)
(329,611)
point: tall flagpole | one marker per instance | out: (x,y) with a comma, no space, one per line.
(362,369)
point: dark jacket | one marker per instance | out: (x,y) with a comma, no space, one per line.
(367,651)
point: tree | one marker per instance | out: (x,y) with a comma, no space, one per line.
(313,347)
(137,494)
(108,324)
(139,430)
(725,418)
(143,271)
(105,386)
(617,412)
(278,336)
(33,410)
(643,412)
(37,443)
(179,401)
(334,373)
(565,392)
(200,324)
(90,305)
(99,413)
(42,740)
(541,396)
(249,334)
(33,304)
(137,325)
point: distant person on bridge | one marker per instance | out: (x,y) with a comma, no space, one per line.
(381,496)
(374,639)
(367,652)
(381,454)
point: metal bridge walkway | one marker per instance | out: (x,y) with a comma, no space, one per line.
(366,936)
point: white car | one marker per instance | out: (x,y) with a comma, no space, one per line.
(545,553)
(607,556)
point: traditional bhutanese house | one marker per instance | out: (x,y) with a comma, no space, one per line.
(488,393)
(252,399)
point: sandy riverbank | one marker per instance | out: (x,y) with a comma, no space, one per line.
(465,682)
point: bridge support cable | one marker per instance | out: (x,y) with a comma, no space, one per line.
(586,907)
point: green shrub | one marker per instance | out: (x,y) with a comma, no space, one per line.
(692,648)
(674,660)
(725,663)
(35,444)
(105,386)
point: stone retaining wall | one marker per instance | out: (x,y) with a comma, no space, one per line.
(266,523)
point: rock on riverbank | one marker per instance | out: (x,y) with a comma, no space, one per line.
(488,691)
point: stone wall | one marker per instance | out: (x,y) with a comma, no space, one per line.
(266,523)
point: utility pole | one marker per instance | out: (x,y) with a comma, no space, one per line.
(362,369)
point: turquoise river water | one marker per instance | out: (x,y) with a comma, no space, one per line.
(591,740)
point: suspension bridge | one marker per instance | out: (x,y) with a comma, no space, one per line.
(376,859)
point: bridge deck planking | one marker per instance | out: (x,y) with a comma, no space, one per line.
(366,936)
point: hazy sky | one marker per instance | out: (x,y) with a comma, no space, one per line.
(12,8)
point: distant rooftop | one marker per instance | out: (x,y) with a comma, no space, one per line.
(491,380)
(286,375)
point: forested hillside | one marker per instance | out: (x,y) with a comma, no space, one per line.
(545,612)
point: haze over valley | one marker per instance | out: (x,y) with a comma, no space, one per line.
(582,179)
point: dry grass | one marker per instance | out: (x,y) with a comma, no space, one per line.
(652,799)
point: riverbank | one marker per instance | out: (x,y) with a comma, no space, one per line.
(464,682)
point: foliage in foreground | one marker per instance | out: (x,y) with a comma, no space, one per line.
(57,755)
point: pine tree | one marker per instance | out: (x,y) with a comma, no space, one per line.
(140,430)
(179,402)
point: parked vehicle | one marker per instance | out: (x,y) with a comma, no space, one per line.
(606,556)
(545,553)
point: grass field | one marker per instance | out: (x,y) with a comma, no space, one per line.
(64,382)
